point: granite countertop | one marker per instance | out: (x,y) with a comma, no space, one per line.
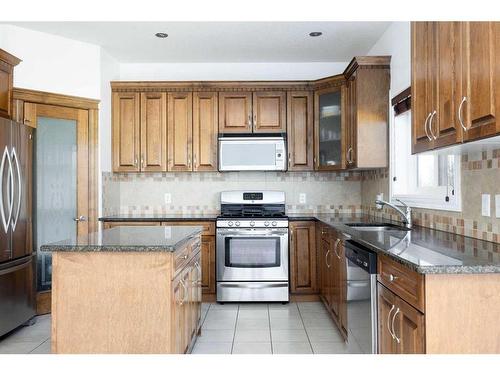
(129,239)
(160,217)
(424,250)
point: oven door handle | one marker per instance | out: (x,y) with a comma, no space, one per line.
(254,286)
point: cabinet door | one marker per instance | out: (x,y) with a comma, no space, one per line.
(481,74)
(269,115)
(126,132)
(408,329)
(422,84)
(205,131)
(342,286)
(235,112)
(445,126)
(329,129)
(387,302)
(180,131)
(178,321)
(154,132)
(325,272)
(5,89)
(303,257)
(208,264)
(300,131)
(335,276)
(351,123)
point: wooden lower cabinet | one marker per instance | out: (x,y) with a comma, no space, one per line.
(303,278)
(333,282)
(401,326)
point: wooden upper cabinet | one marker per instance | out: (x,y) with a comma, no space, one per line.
(454,82)
(445,128)
(7,63)
(154,132)
(180,131)
(480,79)
(303,257)
(329,129)
(205,131)
(126,132)
(235,112)
(422,57)
(300,131)
(269,112)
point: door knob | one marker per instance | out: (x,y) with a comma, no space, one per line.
(80,218)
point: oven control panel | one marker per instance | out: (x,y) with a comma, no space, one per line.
(252,223)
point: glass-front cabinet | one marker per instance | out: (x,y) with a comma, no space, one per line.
(329,129)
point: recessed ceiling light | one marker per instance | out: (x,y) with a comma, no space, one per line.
(315,33)
(161,35)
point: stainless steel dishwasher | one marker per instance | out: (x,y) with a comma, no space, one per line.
(361,272)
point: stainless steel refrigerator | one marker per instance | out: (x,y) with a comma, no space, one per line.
(17,258)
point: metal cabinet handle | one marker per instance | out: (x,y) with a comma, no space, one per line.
(349,155)
(398,340)
(464,99)
(142,161)
(198,269)
(430,125)
(335,247)
(135,162)
(80,218)
(326,258)
(289,159)
(389,321)
(254,119)
(249,119)
(194,160)
(392,277)
(425,126)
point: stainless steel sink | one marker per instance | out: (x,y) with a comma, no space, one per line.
(376,227)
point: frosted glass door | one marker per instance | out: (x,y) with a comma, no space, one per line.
(330,129)
(56,188)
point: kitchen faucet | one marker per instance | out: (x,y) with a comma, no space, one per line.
(406,214)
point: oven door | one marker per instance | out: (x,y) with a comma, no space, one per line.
(246,254)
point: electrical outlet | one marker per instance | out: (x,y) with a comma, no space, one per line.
(302,198)
(497,205)
(485,205)
(168,198)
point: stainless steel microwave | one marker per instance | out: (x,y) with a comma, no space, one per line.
(252,153)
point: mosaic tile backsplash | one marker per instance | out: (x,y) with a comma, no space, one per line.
(144,193)
(480,173)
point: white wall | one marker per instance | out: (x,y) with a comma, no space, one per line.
(228,71)
(52,63)
(396,42)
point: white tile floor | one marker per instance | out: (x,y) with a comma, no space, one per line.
(295,328)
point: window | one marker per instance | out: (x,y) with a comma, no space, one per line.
(430,180)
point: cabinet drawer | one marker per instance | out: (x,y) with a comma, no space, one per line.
(407,284)
(208,226)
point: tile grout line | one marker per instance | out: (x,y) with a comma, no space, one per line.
(235,325)
(307,334)
(270,332)
(35,348)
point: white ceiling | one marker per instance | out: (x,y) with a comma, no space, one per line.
(222,41)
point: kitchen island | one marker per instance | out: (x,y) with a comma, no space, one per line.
(127,290)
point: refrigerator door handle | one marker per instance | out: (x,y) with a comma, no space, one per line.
(5,221)
(20,189)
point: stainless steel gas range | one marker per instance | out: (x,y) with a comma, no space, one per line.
(252,247)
